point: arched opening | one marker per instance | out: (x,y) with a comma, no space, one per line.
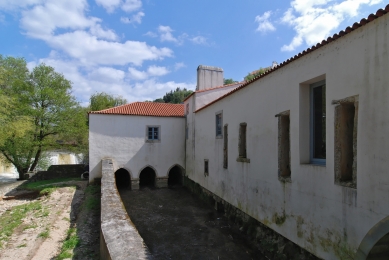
(123,179)
(381,249)
(147,178)
(175,176)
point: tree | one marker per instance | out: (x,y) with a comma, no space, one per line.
(175,97)
(57,120)
(229,81)
(255,74)
(102,100)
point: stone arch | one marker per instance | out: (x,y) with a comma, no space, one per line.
(147,176)
(370,244)
(176,175)
(123,179)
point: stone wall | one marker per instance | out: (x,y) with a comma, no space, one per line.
(269,242)
(119,238)
(59,171)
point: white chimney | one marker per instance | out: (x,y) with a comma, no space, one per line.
(209,77)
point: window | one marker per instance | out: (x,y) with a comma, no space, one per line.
(187,108)
(153,134)
(186,131)
(318,123)
(219,122)
(284,171)
(225,147)
(206,170)
(346,127)
(242,144)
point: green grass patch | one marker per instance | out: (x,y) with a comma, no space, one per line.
(93,197)
(13,218)
(30,226)
(45,234)
(22,245)
(45,184)
(71,242)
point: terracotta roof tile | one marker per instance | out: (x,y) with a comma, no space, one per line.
(145,109)
(342,33)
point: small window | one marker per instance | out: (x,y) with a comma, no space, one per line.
(219,122)
(225,147)
(206,170)
(186,131)
(153,133)
(318,123)
(284,172)
(242,140)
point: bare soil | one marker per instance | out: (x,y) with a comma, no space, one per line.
(177,225)
(60,211)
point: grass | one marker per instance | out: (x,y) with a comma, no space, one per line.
(44,212)
(46,187)
(71,242)
(22,245)
(92,199)
(13,218)
(45,234)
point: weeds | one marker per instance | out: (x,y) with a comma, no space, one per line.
(12,219)
(69,244)
(45,234)
(92,200)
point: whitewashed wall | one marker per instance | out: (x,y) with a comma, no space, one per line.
(321,216)
(123,138)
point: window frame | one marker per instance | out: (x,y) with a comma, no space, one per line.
(312,159)
(147,134)
(219,134)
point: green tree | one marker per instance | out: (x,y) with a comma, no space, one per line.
(102,100)
(175,97)
(229,81)
(255,74)
(57,119)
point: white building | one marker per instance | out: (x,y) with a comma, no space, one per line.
(303,148)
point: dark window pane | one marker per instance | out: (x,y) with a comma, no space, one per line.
(319,122)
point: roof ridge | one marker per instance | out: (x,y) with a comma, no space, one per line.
(380,12)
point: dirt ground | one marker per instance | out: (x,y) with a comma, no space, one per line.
(177,225)
(60,210)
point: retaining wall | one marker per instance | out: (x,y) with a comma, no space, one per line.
(119,238)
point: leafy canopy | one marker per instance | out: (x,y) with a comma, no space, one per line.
(175,97)
(102,100)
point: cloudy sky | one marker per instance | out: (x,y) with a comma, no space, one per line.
(141,49)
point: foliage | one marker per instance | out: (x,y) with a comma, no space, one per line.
(175,97)
(44,98)
(46,184)
(255,74)
(102,100)
(92,200)
(71,242)
(229,81)
(14,218)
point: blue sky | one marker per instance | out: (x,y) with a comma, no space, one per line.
(141,49)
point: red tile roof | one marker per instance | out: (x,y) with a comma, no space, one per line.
(336,36)
(145,109)
(203,90)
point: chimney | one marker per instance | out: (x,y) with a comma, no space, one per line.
(209,77)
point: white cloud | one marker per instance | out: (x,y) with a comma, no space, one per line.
(136,18)
(137,74)
(264,25)
(131,5)
(315,20)
(199,40)
(13,4)
(152,89)
(157,71)
(107,75)
(100,33)
(179,65)
(84,38)
(89,49)
(109,5)
(152,71)
(151,34)
(165,33)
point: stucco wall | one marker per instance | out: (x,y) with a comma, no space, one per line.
(123,138)
(327,219)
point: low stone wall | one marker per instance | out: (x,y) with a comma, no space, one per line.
(269,242)
(59,171)
(119,239)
